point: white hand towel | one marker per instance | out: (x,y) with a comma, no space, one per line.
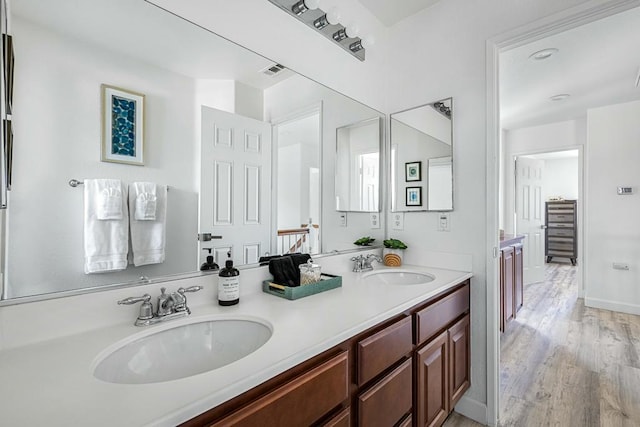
(146,200)
(148,237)
(109,200)
(106,241)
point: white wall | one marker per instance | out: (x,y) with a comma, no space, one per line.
(612,228)
(435,54)
(57,93)
(561,178)
(289,179)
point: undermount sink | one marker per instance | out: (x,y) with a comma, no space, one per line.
(182,351)
(398,277)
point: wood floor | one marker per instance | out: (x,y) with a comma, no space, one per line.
(564,364)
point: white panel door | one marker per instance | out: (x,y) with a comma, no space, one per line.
(530,216)
(235,186)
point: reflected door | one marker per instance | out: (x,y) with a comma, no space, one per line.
(530,216)
(235,200)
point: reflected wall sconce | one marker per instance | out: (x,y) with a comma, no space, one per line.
(326,23)
(442,108)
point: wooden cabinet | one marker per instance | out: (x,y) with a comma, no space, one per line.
(561,239)
(432,382)
(389,400)
(511,280)
(411,368)
(518,282)
(506,286)
(443,369)
(303,401)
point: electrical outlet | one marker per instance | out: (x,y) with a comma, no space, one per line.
(342,222)
(620,266)
(444,222)
(397,221)
(374,219)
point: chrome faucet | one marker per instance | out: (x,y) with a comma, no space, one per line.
(169,306)
(367,263)
(358,262)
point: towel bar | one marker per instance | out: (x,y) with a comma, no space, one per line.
(74,183)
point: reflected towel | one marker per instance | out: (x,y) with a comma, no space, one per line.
(109,200)
(106,241)
(146,200)
(148,237)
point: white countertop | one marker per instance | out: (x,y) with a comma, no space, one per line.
(51,382)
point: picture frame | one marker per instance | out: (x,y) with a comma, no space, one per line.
(414,196)
(122,126)
(413,171)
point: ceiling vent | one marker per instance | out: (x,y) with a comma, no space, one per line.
(274,69)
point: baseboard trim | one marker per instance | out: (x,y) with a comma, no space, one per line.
(473,409)
(612,305)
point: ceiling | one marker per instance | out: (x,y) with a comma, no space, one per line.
(391,12)
(151,35)
(597,64)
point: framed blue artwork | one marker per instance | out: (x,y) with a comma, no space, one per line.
(414,196)
(122,126)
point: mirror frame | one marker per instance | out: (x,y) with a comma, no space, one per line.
(391,191)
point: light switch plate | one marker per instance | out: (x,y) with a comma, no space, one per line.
(342,222)
(374,219)
(444,221)
(397,221)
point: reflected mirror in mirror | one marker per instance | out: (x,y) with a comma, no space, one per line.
(421,166)
(215,119)
(358,166)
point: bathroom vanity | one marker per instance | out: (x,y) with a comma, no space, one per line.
(366,351)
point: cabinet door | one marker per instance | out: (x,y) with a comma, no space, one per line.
(388,400)
(300,402)
(459,359)
(432,382)
(518,279)
(507,284)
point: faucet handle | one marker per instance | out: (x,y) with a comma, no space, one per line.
(181,299)
(146,309)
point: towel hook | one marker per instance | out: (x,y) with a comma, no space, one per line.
(74,183)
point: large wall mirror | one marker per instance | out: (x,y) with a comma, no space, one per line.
(246,147)
(358,165)
(422,158)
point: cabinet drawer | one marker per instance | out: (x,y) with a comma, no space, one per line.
(556,246)
(561,240)
(343,419)
(301,401)
(560,217)
(407,422)
(568,254)
(381,350)
(388,400)
(433,318)
(553,231)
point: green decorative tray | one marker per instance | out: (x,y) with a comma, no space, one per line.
(327,282)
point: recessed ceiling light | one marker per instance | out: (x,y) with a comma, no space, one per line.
(543,54)
(559,97)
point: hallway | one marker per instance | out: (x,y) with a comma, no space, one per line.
(564,364)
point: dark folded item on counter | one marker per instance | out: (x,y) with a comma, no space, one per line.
(298,257)
(284,269)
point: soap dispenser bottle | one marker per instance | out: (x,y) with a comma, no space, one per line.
(229,284)
(209,264)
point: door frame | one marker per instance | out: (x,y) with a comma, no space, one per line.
(291,116)
(580,211)
(562,21)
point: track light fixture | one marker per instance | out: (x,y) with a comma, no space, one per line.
(326,23)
